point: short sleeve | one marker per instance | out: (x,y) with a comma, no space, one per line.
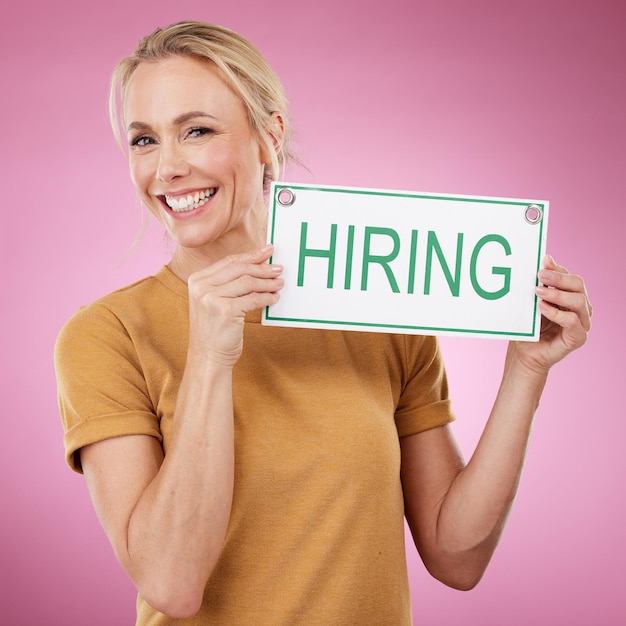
(424,401)
(101,388)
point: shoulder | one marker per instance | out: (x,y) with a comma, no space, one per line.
(125,307)
(138,295)
(108,320)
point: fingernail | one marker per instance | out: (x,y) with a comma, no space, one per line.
(266,248)
(277,269)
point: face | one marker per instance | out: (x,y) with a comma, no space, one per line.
(193,158)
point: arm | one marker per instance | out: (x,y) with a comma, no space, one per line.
(167,517)
(456,512)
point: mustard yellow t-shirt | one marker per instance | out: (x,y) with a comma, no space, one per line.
(316,534)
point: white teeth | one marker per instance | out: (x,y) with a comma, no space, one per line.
(190,202)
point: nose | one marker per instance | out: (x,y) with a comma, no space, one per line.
(171,164)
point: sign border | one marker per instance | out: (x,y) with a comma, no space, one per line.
(275,189)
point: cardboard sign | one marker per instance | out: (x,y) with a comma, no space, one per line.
(401,262)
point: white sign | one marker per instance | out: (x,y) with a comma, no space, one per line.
(402,262)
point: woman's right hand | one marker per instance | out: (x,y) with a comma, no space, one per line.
(219,298)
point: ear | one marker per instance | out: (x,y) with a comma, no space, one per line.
(276,131)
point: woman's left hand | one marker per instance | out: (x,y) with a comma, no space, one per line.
(566,318)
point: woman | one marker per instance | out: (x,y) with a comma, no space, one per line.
(247,474)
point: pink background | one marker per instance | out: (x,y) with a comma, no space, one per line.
(521,99)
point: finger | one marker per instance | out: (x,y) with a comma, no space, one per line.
(551,264)
(239,286)
(233,266)
(574,333)
(253,261)
(257,300)
(257,256)
(569,301)
(560,280)
(248,284)
(262,254)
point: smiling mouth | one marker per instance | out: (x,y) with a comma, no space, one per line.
(189,202)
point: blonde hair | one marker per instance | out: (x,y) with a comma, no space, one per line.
(242,65)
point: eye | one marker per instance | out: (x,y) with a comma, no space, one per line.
(199,131)
(141,141)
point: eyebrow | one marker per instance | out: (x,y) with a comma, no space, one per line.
(177,121)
